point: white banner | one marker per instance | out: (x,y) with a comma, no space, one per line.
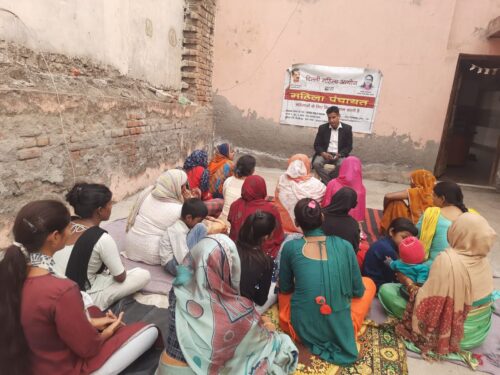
(310,89)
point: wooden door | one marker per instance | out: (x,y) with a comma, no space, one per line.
(442,159)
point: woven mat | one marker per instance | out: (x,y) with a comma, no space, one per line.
(371,225)
(380,352)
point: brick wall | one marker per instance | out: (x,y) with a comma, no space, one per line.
(197,55)
(65,120)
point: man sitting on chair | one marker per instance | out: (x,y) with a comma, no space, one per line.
(333,143)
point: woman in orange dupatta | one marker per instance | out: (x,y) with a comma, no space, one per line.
(221,167)
(419,197)
(296,183)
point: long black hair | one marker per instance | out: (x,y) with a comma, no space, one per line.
(86,198)
(33,224)
(254,229)
(451,193)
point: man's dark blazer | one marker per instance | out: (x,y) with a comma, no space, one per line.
(322,140)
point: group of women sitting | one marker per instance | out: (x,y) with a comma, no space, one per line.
(63,272)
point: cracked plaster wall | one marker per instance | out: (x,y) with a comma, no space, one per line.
(414,43)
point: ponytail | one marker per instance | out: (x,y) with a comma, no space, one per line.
(14,355)
(34,222)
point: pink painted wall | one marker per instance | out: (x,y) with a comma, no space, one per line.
(414,43)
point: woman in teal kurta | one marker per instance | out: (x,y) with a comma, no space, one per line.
(324,266)
(448,205)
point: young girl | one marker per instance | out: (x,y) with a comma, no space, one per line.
(91,257)
(374,265)
(45,329)
(256,266)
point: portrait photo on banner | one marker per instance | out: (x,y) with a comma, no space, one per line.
(310,89)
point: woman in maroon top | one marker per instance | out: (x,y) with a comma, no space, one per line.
(253,199)
(45,326)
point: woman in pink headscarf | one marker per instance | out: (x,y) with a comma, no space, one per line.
(350,175)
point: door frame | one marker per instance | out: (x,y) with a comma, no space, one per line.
(441,160)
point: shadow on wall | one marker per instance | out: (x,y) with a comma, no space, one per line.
(388,158)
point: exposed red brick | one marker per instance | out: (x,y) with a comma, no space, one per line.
(135,123)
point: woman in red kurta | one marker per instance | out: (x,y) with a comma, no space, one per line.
(253,198)
(45,326)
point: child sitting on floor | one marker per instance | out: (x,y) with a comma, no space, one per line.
(183,235)
(387,246)
(411,260)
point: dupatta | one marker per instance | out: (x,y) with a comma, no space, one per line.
(253,199)
(295,184)
(420,195)
(350,175)
(435,314)
(219,331)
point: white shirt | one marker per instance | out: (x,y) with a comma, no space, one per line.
(334,140)
(173,243)
(105,251)
(232,192)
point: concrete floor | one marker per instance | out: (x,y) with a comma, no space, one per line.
(487,202)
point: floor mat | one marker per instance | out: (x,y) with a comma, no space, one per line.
(161,282)
(371,225)
(488,354)
(380,352)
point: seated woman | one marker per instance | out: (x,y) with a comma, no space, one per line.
(350,175)
(220,168)
(45,327)
(419,197)
(452,310)
(338,222)
(245,166)
(330,298)
(253,198)
(157,208)
(434,223)
(295,184)
(374,265)
(256,267)
(90,257)
(198,175)
(215,330)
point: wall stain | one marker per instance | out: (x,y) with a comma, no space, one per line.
(388,158)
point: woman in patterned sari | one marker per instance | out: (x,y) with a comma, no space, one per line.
(221,167)
(213,329)
(451,312)
(419,197)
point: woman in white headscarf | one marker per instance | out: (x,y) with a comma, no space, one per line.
(295,184)
(156,209)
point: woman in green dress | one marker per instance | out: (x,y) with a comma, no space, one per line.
(451,312)
(330,298)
